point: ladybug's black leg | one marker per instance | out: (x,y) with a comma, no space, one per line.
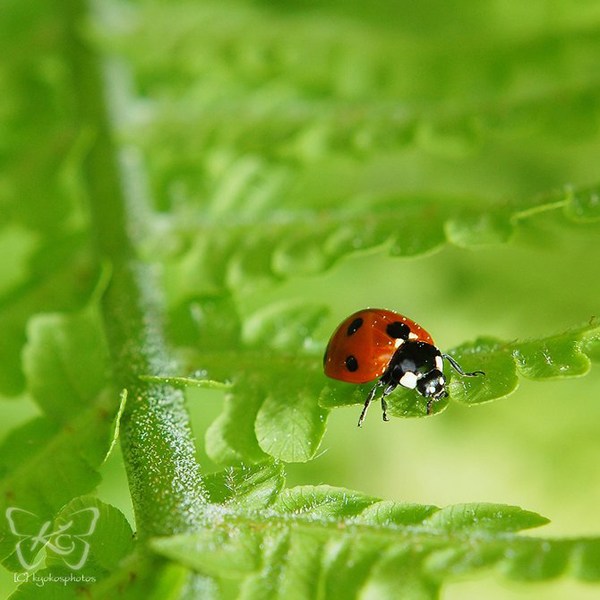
(430,405)
(459,370)
(387,390)
(370,397)
(384,409)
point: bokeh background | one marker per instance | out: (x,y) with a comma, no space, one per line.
(307,106)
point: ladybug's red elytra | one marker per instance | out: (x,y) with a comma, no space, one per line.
(377,343)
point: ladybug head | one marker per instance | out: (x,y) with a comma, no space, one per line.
(432,385)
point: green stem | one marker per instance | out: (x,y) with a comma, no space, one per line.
(166,487)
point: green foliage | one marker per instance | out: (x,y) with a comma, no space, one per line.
(110,540)
(430,158)
(314,541)
(275,414)
(53,363)
(72,438)
(308,242)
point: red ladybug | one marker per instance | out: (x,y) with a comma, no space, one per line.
(375,342)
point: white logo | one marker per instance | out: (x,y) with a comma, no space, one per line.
(68,540)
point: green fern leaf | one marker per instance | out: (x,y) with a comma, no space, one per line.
(106,537)
(282,411)
(61,379)
(334,542)
(72,441)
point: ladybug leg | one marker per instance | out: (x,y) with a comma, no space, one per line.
(430,404)
(370,397)
(384,409)
(459,370)
(387,390)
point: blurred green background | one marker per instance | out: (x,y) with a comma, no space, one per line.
(305,106)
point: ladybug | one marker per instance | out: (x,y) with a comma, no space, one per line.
(377,343)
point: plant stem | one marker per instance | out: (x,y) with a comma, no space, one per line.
(166,487)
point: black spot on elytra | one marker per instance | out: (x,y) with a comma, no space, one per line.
(351,363)
(398,329)
(354,326)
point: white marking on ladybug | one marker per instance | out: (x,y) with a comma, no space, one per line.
(408,380)
(439,363)
(412,336)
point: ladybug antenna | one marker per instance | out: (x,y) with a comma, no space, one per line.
(459,369)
